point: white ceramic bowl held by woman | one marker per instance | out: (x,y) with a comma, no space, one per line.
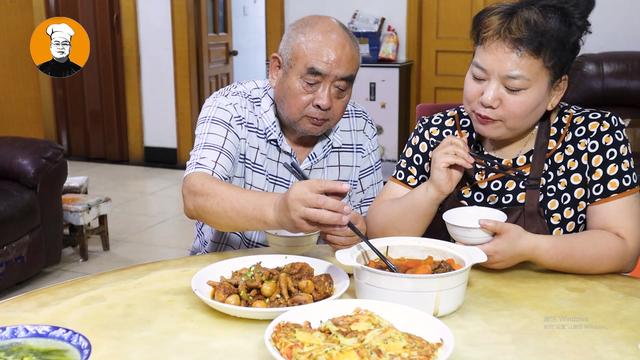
(437,294)
(464,227)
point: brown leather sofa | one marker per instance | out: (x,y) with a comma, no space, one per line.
(32,173)
(609,81)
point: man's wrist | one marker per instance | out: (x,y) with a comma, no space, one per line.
(274,217)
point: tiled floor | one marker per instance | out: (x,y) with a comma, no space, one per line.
(146,223)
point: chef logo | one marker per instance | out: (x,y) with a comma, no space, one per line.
(59,47)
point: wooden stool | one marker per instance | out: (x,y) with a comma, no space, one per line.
(79,210)
(76,185)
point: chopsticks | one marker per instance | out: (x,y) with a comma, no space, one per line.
(297,172)
(493,164)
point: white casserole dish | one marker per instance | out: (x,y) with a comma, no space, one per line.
(437,294)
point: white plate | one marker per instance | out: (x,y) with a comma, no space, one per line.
(403,317)
(226,267)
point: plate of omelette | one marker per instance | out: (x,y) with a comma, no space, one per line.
(358,329)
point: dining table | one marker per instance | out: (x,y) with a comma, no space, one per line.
(149,311)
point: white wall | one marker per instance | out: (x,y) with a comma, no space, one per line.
(394,12)
(156,72)
(615,27)
(248,24)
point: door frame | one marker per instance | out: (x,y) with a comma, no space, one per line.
(132,85)
(46,85)
(185,67)
(414,39)
(274,15)
(185,60)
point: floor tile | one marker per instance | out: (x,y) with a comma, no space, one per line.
(78,167)
(122,254)
(165,202)
(176,232)
(123,224)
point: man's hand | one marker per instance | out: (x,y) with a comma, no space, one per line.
(342,237)
(305,207)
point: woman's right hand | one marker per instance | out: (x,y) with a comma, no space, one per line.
(448,161)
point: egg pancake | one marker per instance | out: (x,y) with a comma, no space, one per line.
(359,336)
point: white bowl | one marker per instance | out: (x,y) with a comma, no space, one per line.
(462,223)
(285,242)
(226,267)
(401,317)
(437,294)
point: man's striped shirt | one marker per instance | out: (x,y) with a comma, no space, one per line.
(239,140)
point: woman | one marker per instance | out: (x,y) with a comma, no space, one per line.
(576,164)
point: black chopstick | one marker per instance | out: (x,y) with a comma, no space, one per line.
(297,172)
(493,164)
(298,175)
(497,165)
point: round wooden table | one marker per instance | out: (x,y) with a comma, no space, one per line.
(149,312)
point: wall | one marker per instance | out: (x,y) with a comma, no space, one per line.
(156,73)
(248,24)
(615,27)
(395,13)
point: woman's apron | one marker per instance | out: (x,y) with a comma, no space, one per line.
(529,216)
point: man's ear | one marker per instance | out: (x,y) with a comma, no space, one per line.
(275,68)
(557,92)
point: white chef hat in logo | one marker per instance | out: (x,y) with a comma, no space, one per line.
(60,31)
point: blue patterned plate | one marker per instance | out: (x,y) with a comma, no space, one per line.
(43,342)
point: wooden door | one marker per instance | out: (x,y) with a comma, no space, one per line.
(446,48)
(90,106)
(215,49)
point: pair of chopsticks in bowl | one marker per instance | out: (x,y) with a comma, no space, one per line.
(297,172)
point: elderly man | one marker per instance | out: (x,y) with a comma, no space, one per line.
(60,65)
(236,185)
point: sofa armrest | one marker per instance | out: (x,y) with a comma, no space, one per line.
(25,160)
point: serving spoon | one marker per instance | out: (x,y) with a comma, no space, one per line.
(300,175)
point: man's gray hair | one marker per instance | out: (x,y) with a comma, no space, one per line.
(300,27)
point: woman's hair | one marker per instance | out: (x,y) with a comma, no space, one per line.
(550,30)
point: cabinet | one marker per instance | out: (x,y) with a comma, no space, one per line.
(383,90)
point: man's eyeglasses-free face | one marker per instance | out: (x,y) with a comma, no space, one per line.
(60,44)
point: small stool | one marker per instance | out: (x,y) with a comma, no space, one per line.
(79,210)
(76,185)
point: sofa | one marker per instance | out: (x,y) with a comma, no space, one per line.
(609,81)
(32,174)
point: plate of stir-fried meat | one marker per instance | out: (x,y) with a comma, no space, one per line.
(265,286)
